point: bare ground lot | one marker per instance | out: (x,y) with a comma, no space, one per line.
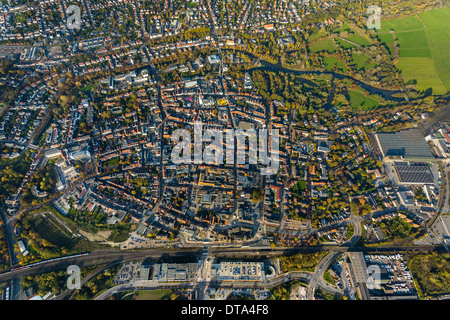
(97,237)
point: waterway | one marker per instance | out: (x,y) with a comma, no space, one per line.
(268,66)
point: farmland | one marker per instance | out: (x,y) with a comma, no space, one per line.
(424,43)
(438,32)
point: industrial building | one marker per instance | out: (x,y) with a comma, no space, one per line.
(417,173)
(409,145)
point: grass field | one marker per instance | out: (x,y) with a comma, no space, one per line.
(438,32)
(412,40)
(315,36)
(345,44)
(345,27)
(332,62)
(418,52)
(424,42)
(423,70)
(388,40)
(323,45)
(161,294)
(360,60)
(401,24)
(359,101)
(359,40)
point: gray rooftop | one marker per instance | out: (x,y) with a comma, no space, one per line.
(408,144)
(418,173)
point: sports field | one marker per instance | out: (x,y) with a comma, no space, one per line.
(424,42)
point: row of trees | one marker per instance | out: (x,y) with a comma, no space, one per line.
(4,254)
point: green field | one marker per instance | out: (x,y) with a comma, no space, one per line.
(323,45)
(401,24)
(359,101)
(387,38)
(345,27)
(345,44)
(418,52)
(315,35)
(412,39)
(359,40)
(360,60)
(424,42)
(161,294)
(424,71)
(332,62)
(438,32)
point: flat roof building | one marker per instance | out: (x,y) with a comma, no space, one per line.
(174,271)
(238,270)
(407,145)
(144,273)
(419,173)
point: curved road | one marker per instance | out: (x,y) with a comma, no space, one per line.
(324,264)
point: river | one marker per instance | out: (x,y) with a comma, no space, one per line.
(267,66)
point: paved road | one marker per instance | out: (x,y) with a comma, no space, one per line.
(317,278)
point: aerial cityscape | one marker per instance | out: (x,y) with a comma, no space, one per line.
(224,150)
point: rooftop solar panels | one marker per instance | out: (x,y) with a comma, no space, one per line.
(413,174)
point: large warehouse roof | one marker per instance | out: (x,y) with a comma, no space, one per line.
(413,174)
(408,144)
